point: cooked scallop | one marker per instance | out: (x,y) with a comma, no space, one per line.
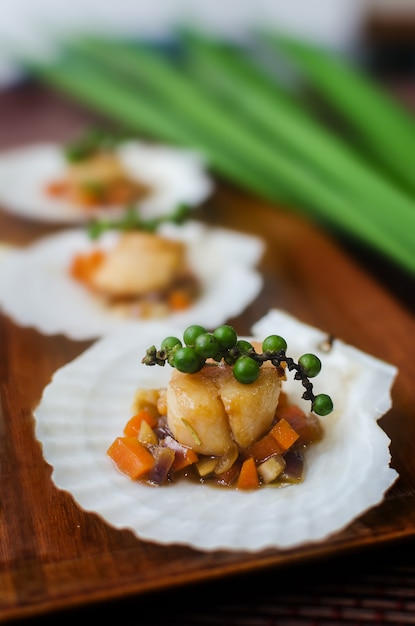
(102,167)
(154,178)
(141,262)
(210,410)
(100,179)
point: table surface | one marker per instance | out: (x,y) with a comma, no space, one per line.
(363,575)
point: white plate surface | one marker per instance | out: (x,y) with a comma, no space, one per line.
(89,400)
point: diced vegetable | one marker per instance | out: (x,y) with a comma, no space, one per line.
(146,435)
(263,448)
(228,478)
(270,469)
(206,466)
(132,427)
(183,456)
(163,461)
(308,427)
(294,467)
(130,457)
(84,265)
(284,434)
(148,399)
(226,461)
(248,476)
(179,300)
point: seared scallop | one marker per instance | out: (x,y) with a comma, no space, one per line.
(141,262)
(210,411)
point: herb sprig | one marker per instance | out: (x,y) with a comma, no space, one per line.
(92,141)
(131,220)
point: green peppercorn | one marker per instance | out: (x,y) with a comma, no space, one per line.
(274,343)
(226,336)
(206,345)
(322,404)
(190,334)
(311,364)
(245,370)
(243,346)
(186,360)
(169,343)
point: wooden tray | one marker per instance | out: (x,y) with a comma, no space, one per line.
(52,554)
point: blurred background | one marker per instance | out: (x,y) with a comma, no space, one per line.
(290,101)
(340,24)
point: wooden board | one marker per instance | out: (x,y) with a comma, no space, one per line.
(52,554)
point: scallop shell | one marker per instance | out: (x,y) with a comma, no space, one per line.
(36,289)
(89,400)
(176,175)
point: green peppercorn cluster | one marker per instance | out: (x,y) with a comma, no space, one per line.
(190,354)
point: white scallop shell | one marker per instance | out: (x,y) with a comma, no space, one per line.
(89,400)
(177,175)
(37,290)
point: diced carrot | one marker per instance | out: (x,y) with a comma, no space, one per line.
(308,426)
(290,412)
(284,434)
(248,476)
(263,448)
(130,457)
(179,300)
(57,188)
(83,265)
(132,427)
(183,457)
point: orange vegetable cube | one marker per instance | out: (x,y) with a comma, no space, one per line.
(84,265)
(179,300)
(263,448)
(284,434)
(57,188)
(132,427)
(308,427)
(130,457)
(248,476)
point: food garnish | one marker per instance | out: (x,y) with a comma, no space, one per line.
(223,345)
(223,419)
(132,220)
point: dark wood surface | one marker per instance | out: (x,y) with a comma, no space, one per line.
(54,556)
